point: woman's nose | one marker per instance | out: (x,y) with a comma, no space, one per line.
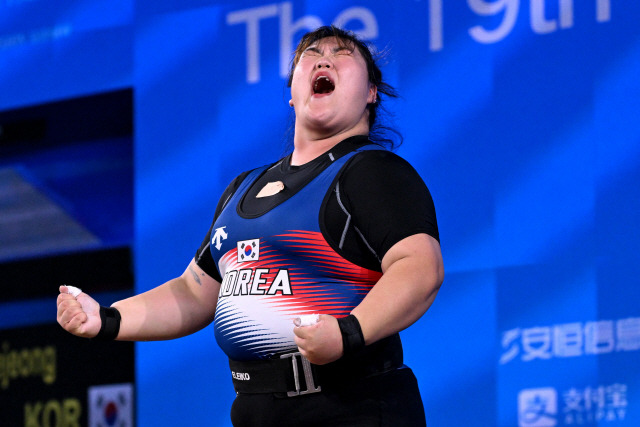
(323,63)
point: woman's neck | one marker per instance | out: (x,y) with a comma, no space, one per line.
(309,145)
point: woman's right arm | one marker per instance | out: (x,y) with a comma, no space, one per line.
(174,309)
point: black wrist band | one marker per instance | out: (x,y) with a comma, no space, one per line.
(110,327)
(352,338)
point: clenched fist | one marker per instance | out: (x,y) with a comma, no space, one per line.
(78,315)
(320,343)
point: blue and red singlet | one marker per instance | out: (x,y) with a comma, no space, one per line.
(277,266)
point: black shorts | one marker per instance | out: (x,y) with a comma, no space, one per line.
(390,399)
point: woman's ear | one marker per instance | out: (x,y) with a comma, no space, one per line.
(373,94)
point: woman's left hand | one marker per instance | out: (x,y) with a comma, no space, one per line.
(320,343)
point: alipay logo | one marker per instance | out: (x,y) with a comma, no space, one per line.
(538,407)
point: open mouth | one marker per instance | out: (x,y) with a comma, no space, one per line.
(323,85)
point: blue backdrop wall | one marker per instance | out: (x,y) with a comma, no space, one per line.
(521,116)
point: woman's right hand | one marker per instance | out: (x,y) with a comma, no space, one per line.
(78,315)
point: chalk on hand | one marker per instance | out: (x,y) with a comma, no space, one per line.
(307,320)
(73,291)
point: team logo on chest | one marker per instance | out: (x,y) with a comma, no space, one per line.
(249,250)
(218,236)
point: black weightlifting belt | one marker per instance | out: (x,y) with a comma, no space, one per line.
(293,374)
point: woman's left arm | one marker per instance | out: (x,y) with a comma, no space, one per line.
(412,274)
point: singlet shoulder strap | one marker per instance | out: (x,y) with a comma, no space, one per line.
(240,185)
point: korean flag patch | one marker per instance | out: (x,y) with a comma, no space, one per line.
(249,250)
(111,405)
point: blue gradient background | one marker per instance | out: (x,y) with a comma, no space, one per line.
(529,145)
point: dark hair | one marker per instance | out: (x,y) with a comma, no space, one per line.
(377,132)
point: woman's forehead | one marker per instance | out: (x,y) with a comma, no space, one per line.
(331,42)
